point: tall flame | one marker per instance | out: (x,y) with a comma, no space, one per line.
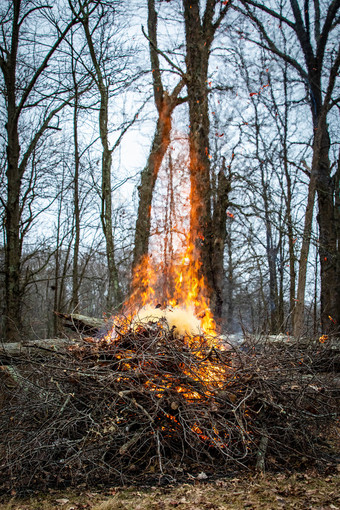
(171,276)
(189,289)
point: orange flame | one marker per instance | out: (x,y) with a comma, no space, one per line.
(189,289)
(172,275)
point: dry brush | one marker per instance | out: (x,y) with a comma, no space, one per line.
(151,406)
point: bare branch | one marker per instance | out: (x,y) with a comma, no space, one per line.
(172,64)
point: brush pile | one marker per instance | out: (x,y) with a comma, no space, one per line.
(154,407)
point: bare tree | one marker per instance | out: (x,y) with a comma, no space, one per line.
(318,68)
(21,79)
(75,270)
(97,17)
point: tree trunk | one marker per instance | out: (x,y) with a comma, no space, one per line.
(113,292)
(12,221)
(221,201)
(170,221)
(328,241)
(55,287)
(205,236)
(197,56)
(289,196)
(337,228)
(13,323)
(76,208)
(160,144)
(291,242)
(165,104)
(230,285)
(299,309)
(271,252)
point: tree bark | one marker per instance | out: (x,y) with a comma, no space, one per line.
(12,226)
(12,223)
(219,221)
(289,196)
(302,276)
(328,242)
(160,144)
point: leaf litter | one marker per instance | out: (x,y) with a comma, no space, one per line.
(301,491)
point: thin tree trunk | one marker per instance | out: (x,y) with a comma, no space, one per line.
(168,283)
(230,283)
(165,104)
(76,209)
(113,292)
(307,230)
(62,278)
(281,309)
(315,304)
(289,196)
(271,252)
(13,323)
(219,221)
(160,144)
(291,242)
(56,292)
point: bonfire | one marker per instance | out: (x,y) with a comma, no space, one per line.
(162,397)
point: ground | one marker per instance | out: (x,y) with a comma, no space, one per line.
(301,491)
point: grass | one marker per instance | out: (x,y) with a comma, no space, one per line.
(300,491)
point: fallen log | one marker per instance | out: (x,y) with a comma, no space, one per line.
(88,326)
(35,348)
(81,324)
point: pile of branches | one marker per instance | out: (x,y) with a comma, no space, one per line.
(148,405)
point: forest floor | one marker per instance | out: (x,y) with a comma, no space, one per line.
(308,490)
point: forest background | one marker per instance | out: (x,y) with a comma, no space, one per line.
(125,121)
